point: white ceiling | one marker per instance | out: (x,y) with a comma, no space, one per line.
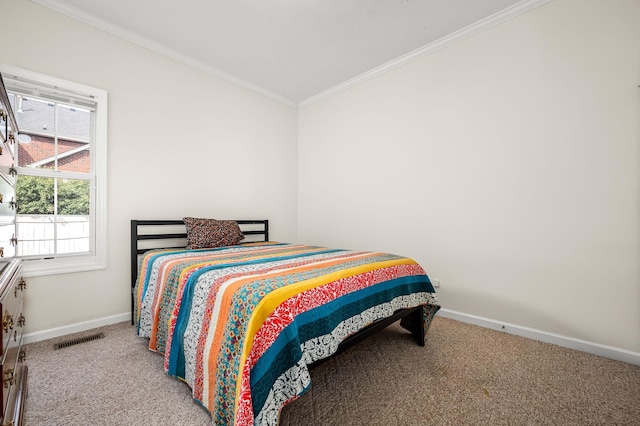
(292,50)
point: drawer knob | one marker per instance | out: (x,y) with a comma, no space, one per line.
(9,378)
(21,286)
(7,321)
(21,321)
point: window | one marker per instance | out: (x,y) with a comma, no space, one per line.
(61,162)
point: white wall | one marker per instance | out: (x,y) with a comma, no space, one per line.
(181,143)
(507,164)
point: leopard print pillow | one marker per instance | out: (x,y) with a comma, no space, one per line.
(208,233)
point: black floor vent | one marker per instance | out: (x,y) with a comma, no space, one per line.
(78,341)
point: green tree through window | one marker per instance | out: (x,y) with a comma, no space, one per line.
(73,197)
(37,196)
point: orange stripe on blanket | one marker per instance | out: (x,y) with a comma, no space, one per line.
(202,253)
(270,302)
(141,279)
(210,259)
(184,276)
(212,314)
(226,303)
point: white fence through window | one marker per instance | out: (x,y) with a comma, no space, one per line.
(36,234)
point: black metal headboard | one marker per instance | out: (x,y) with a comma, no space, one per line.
(151,234)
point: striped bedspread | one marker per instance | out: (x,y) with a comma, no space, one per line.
(240,324)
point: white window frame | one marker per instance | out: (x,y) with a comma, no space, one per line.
(69,263)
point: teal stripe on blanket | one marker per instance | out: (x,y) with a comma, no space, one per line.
(176,354)
(285,352)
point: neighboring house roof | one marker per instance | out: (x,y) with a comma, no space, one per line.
(34,115)
(37,118)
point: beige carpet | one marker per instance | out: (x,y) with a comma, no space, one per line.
(464,375)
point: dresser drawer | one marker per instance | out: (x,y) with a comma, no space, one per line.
(11,325)
(11,308)
(9,366)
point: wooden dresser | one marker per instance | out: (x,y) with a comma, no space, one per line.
(14,370)
(13,391)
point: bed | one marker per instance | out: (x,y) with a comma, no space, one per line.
(244,321)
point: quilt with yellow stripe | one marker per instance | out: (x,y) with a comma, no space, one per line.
(240,324)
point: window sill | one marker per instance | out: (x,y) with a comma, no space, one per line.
(63,265)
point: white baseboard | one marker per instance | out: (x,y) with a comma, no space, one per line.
(74,328)
(611,352)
